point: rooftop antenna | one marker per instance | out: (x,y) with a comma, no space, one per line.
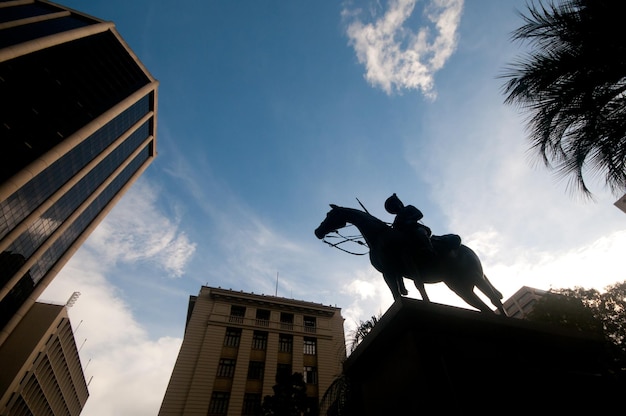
(81,345)
(79,324)
(276,290)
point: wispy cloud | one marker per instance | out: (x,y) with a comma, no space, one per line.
(136,230)
(398,57)
(128,371)
(525,227)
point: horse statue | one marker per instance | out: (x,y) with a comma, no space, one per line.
(391,255)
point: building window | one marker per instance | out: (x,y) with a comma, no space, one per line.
(310,375)
(255,370)
(259,340)
(219,403)
(237,313)
(310,346)
(233,335)
(309,324)
(263,317)
(226,368)
(286,321)
(283,370)
(285,343)
(251,404)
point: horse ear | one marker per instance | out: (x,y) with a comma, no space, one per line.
(333,206)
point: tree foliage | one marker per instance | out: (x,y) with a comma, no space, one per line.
(361,331)
(589,310)
(573,85)
(336,399)
(289,397)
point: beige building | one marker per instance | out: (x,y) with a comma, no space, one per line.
(236,342)
(521,303)
(41,372)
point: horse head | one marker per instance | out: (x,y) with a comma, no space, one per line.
(333,221)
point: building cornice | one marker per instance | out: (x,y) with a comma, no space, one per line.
(269,301)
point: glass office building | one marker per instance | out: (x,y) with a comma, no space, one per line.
(77,127)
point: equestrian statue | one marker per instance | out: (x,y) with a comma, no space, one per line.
(407,249)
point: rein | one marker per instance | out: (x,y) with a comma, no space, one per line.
(352,239)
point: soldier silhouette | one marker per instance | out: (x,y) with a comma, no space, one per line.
(406,221)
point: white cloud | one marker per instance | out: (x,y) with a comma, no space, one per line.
(369,296)
(135,230)
(525,227)
(396,57)
(128,372)
(596,264)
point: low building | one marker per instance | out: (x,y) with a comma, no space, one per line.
(235,344)
(41,372)
(522,302)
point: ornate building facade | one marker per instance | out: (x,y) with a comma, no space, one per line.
(236,343)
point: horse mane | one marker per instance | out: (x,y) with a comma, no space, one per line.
(359,212)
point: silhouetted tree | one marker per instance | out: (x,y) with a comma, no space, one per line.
(569,308)
(336,399)
(603,313)
(573,85)
(364,328)
(289,397)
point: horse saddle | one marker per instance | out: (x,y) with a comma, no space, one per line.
(445,243)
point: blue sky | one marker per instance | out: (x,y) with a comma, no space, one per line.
(271,110)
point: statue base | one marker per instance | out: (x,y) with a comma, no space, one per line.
(430,357)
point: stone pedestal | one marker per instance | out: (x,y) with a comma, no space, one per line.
(427,358)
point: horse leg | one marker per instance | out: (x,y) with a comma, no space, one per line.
(420,287)
(401,287)
(492,293)
(467,294)
(394,286)
(498,304)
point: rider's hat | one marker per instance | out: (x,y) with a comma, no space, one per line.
(393,205)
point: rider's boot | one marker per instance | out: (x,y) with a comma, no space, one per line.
(426,245)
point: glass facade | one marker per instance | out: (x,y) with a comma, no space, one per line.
(48,96)
(18,294)
(26,199)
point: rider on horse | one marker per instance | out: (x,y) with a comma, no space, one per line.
(416,234)
(406,221)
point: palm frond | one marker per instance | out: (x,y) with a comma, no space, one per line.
(573,86)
